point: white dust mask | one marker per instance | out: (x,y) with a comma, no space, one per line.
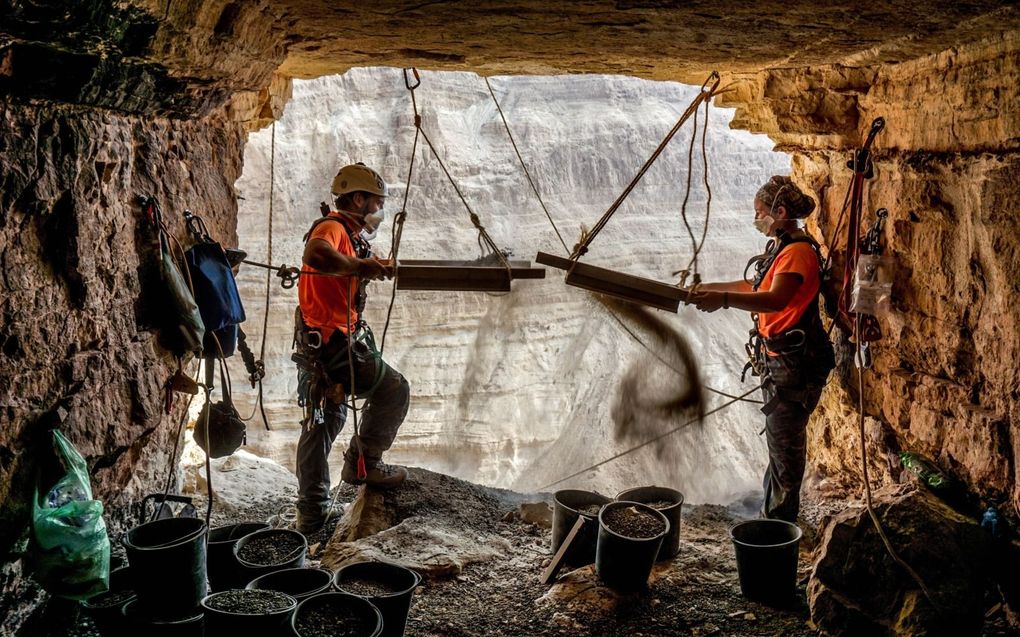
(764,224)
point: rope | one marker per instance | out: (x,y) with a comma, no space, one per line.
(582,247)
(687,194)
(708,203)
(609,310)
(867,482)
(527,173)
(398,225)
(483,235)
(177,441)
(613,314)
(259,402)
(269,237)
(651,440)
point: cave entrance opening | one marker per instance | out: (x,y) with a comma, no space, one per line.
(521,389)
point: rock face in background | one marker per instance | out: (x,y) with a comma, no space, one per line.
(520,390)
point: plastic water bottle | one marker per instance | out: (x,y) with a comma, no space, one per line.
(63,493)
(991,523)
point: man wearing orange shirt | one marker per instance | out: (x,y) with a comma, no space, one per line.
(791,350)
(331,291)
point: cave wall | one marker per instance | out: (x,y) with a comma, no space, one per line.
(89,120)
(945,381)
(78,349)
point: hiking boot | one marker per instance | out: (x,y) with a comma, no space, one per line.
(308,523)
(380,475)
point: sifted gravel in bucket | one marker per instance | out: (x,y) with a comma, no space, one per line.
(633,522)
(327,620)
(270,549)
(660,504)
(367,587)
(590,509)
(249,602)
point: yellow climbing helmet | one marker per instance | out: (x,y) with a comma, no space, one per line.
(358,178)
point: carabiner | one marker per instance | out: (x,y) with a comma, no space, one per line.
(288,276)
(407,80)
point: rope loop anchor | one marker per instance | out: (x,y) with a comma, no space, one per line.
(712,79)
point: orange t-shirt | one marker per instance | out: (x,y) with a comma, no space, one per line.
(798,258)
(325,300)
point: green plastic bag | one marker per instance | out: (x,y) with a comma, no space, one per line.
(70,551)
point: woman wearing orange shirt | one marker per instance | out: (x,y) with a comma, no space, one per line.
(789,348)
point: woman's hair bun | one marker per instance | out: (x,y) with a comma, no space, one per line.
(781,191)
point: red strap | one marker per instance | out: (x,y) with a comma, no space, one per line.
(362,471)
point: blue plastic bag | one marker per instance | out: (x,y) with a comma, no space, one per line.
(70,551)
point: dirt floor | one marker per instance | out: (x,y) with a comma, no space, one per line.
(696,594)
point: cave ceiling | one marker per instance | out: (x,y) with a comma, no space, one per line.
(184,57)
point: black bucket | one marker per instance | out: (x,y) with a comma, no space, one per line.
(224,569)
(141,622)
(767,559)
(345,610)
(107,609)
(395,586)
(299,583)
(294,559)
(565,514)
(671,543)
(167,558)
(221,617)
(623,562)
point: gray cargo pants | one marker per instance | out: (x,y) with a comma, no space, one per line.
(791,392)
(388,398)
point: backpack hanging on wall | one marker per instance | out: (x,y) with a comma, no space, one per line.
(215,289)
(178,319)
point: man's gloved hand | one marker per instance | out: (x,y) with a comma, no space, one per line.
(373,268)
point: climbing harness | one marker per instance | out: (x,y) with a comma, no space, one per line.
(625,286)
(797,337)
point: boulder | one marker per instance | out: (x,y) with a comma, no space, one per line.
(856,587)
(433,524)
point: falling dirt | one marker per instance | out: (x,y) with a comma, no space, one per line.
(661,389)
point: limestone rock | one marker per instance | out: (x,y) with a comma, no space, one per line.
(580,592)
(419,544)
(857,588)
(432,523)
(239,480)
(537,513)
(366,516)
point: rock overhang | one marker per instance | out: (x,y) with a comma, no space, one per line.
(184,59)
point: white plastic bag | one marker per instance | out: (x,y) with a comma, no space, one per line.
(872,285)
